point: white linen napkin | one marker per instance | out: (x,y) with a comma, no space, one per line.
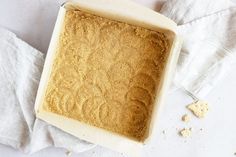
(208,29)
(20,71)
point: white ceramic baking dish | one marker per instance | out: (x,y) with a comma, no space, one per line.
(120,10)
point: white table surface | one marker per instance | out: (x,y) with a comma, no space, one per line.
(33,21)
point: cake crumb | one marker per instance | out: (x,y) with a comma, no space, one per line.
(199,108)
(163,132)
(186,132)
(186,118)
(68,153)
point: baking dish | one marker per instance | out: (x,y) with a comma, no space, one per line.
(124,11)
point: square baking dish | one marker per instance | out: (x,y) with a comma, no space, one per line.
(123,12)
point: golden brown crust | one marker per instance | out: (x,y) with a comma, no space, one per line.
(106,73)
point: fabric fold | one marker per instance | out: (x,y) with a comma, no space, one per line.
(208,50)
(185,11)
(20,71)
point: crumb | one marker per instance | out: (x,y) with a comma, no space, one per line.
(68,153)
(199,108)
(186,118)
(234,153)
(163,132)
(186,132)
(201,129)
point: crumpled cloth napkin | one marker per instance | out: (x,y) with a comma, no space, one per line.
(208,29)
(20,71)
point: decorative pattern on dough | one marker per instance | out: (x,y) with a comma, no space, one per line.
(106,73)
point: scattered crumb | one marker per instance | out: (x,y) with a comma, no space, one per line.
(234,153)
(199,108)
(186,132)
(201,129)
(163,132)
(186,118)
(68,153)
